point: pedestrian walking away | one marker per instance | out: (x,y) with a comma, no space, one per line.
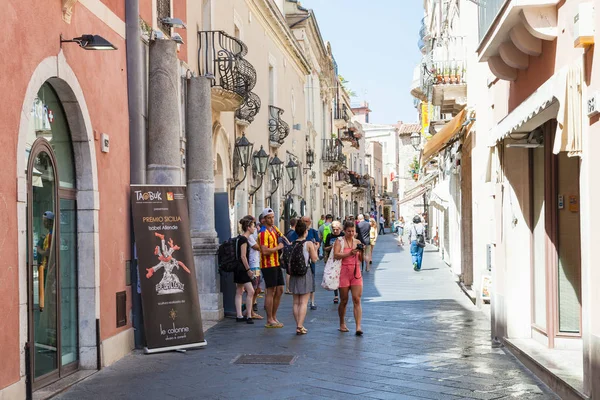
(336,232)
(350,277)
(271,240)
(416,239)
(381,225)
(324,231)
(302,281)
(364,235)
(312,236)
(291,236)
(243,275)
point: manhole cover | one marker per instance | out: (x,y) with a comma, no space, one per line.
(280,359)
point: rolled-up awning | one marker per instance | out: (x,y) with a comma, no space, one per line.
(413,195)
(538,108)
(439,140)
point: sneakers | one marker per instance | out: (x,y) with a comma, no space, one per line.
(415,266)
(313,306)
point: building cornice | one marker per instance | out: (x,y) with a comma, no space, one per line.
(270,13)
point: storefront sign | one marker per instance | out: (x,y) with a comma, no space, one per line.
(425,119)
(166,268)
(573,203)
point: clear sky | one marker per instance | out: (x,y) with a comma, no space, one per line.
(374,43)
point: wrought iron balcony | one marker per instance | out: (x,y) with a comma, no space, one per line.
(278,128)
(248,110)
(341,113)
(333,151)
(221,57)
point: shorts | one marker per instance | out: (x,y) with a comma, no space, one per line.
(240,276)
(273,277)
(347,277)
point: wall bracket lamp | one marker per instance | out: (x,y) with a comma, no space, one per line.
(90,42)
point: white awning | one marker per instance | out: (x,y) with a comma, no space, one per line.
(441,194)
(413,195)
(538,108)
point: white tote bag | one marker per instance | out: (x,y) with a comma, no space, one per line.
(333,268)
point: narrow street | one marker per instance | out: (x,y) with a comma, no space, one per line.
(423,340)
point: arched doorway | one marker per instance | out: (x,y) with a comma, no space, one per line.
(52,242)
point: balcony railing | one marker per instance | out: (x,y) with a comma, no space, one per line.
(332,151)
(448,62)
(341,113)
(278,128)
(222,57)
(248,109)
(488,11)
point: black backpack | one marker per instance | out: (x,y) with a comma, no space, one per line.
(420,238)
(297,265)
(227,254)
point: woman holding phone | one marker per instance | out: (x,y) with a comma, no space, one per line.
(350,252)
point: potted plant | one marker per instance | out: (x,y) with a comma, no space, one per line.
(446,74)
(438,75)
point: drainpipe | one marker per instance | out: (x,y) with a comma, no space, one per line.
(137,140)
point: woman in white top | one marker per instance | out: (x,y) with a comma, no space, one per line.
(415,250)
(302,286)
(254,262)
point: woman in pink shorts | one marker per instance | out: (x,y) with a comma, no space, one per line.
(350,276)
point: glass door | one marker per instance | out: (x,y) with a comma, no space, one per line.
(43,310)
(68,280)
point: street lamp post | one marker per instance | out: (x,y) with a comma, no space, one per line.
(243,150)
(277,172)
(292,171)
(261,163)
(415,140)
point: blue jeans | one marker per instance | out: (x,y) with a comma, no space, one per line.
(417,253)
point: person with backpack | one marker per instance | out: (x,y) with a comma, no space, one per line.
(363,229)
(291,236)
(302,282)
(243,275)
(416,238)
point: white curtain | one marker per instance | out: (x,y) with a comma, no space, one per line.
(570,120)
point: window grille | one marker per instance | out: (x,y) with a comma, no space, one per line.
(163,10)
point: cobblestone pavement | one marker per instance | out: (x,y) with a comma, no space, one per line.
(423,340)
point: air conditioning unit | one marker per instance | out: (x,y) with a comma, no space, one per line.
(583,25)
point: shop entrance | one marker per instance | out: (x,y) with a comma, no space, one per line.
(51,243)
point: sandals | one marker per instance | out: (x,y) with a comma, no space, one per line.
(256,316)
(344,330)
(301,330)
(336,300)
(274,326)
(359,333)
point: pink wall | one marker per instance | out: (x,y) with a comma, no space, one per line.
(102,76)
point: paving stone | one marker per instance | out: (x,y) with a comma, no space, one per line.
(423,340)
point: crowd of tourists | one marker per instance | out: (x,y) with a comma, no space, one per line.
(276,263)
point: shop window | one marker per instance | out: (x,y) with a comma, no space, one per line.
(539,239)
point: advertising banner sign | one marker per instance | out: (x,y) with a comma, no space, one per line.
(166,267)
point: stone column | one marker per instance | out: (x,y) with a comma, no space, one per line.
(201,197)
(164,131)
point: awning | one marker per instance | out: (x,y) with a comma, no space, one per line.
(441,194)
(413,195)
(439,140)
(538,108)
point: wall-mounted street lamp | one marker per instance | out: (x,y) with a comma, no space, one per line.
(310,159)
(276,172)
(261,163)
(292,171)
(415,140)
(90,42)
(173,22)
(243,151)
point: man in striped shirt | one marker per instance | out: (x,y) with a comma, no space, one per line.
(270,241)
